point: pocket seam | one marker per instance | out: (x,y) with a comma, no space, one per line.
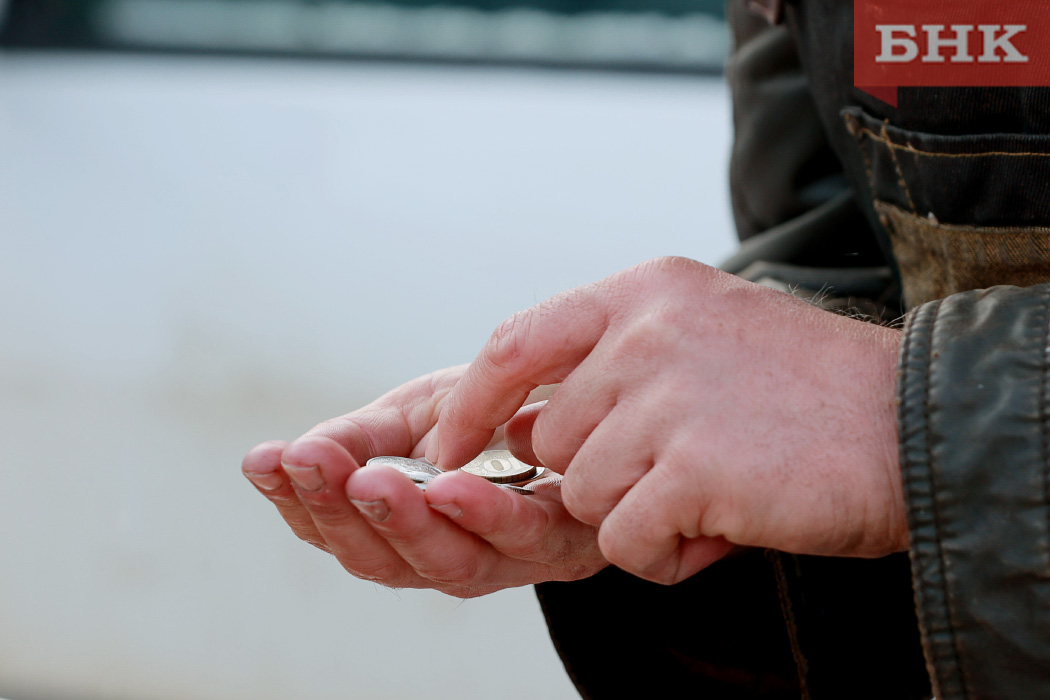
(862,131)
(900,173)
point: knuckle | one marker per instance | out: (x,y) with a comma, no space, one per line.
(612,548)
(730,523)
(672,266)
(660,327)
(333,519)
(554,446)
(284,499)
(583,509)
(327,428)
(349,430)
(542,444)
(452,413)
(619,551)
(329,511)
(646,335)
(508,340)
(673,273)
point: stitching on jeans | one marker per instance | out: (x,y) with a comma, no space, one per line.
(933,503)
(900,173)
(938,154)
(787,609)
(864,152)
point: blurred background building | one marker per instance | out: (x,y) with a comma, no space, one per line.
(666,35)
(222,221)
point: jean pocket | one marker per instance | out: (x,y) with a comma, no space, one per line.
(961,211)
(937,259)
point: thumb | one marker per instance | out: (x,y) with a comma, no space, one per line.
(518,433)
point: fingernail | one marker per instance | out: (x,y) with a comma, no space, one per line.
(449,509)
(306,478)
(376,510)
(267,481)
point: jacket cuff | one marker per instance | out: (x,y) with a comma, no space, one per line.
(975,449)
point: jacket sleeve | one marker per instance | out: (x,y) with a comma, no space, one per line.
(975,456)
(796,213)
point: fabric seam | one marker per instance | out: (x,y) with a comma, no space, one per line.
(940,154)
(849,121)
(787,609)
(910,329)
(935,510)
(900,173)
(1043,401)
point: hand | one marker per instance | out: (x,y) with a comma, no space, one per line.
(697,412)
(464,536)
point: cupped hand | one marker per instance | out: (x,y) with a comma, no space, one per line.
(697,411)
(463,536)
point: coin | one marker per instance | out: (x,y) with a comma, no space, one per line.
(418,477)
(406,465)
(500,467)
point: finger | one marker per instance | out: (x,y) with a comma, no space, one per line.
(436,548)
(614,458)
(262,467)
(541,345)
(319,468)
(583,401)
(655,532)
(397,423)
(533,528)
(518,433)
(518,430)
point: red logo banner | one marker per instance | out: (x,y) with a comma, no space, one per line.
(949,43)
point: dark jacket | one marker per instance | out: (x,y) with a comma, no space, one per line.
(881,211)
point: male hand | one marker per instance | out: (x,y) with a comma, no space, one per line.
(463,536)
(697,411)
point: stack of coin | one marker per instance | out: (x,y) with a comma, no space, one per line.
(498,466)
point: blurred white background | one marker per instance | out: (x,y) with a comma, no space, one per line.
(200,254)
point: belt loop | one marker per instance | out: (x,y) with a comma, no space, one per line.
(771,10)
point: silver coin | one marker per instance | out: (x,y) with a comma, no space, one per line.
(406,464)
(419,477)
(500,467)
(511,474)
